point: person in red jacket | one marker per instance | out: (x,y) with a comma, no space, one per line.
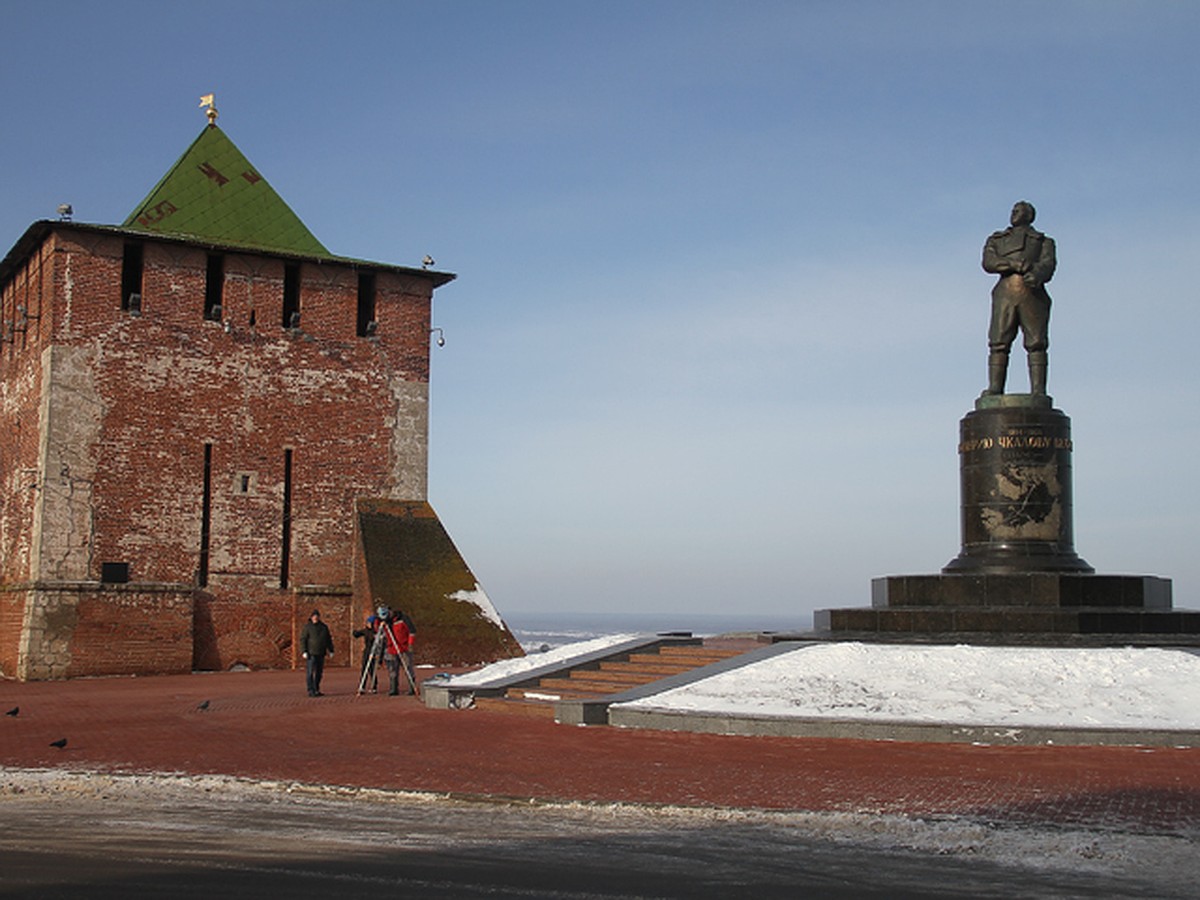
(398,651)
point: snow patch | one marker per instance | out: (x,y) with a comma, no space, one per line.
(1147,688)
(478,598)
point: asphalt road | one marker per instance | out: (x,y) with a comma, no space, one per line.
(99,836)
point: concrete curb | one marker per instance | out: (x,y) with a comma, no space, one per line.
(887,730)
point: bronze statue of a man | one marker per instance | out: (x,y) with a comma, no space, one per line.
(1024,259)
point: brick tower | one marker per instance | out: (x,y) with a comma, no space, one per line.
(209,426)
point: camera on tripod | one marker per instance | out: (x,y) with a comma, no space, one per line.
(393,641)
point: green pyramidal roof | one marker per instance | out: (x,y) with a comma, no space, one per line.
(213,193)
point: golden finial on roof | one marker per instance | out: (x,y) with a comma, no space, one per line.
(207,100)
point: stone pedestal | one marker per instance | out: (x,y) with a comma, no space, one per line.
(1045,607)
(1015,470)
(1017,578)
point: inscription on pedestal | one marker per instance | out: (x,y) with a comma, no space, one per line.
(1026,490)
(1015,465)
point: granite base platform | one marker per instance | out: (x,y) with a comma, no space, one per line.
(1046,604)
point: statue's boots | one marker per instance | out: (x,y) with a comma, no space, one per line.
(1038,361)
(997,372)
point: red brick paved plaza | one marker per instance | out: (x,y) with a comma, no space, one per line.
(262,725)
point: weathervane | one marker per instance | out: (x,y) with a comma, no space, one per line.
(207,100)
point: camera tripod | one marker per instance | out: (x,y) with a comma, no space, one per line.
(370,672)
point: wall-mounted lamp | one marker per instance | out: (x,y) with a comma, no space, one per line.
(441,338)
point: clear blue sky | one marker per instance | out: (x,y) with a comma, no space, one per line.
(719,306)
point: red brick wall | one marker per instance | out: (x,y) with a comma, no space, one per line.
(156,388)
(12,611)
(172,382)
(246,624)
(123,630)
(20,395)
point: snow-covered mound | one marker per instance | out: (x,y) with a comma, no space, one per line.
(1149,688)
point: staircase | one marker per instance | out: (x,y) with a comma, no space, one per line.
(609,677)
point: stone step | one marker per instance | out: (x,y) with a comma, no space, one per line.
(541,695)
(590,685)
(676,664)
(612,677)
(1041,590)
(1009,620)
(711,654)
(517,706)
(617,673)
(656,669)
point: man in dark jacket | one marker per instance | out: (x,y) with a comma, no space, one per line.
(315,643)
